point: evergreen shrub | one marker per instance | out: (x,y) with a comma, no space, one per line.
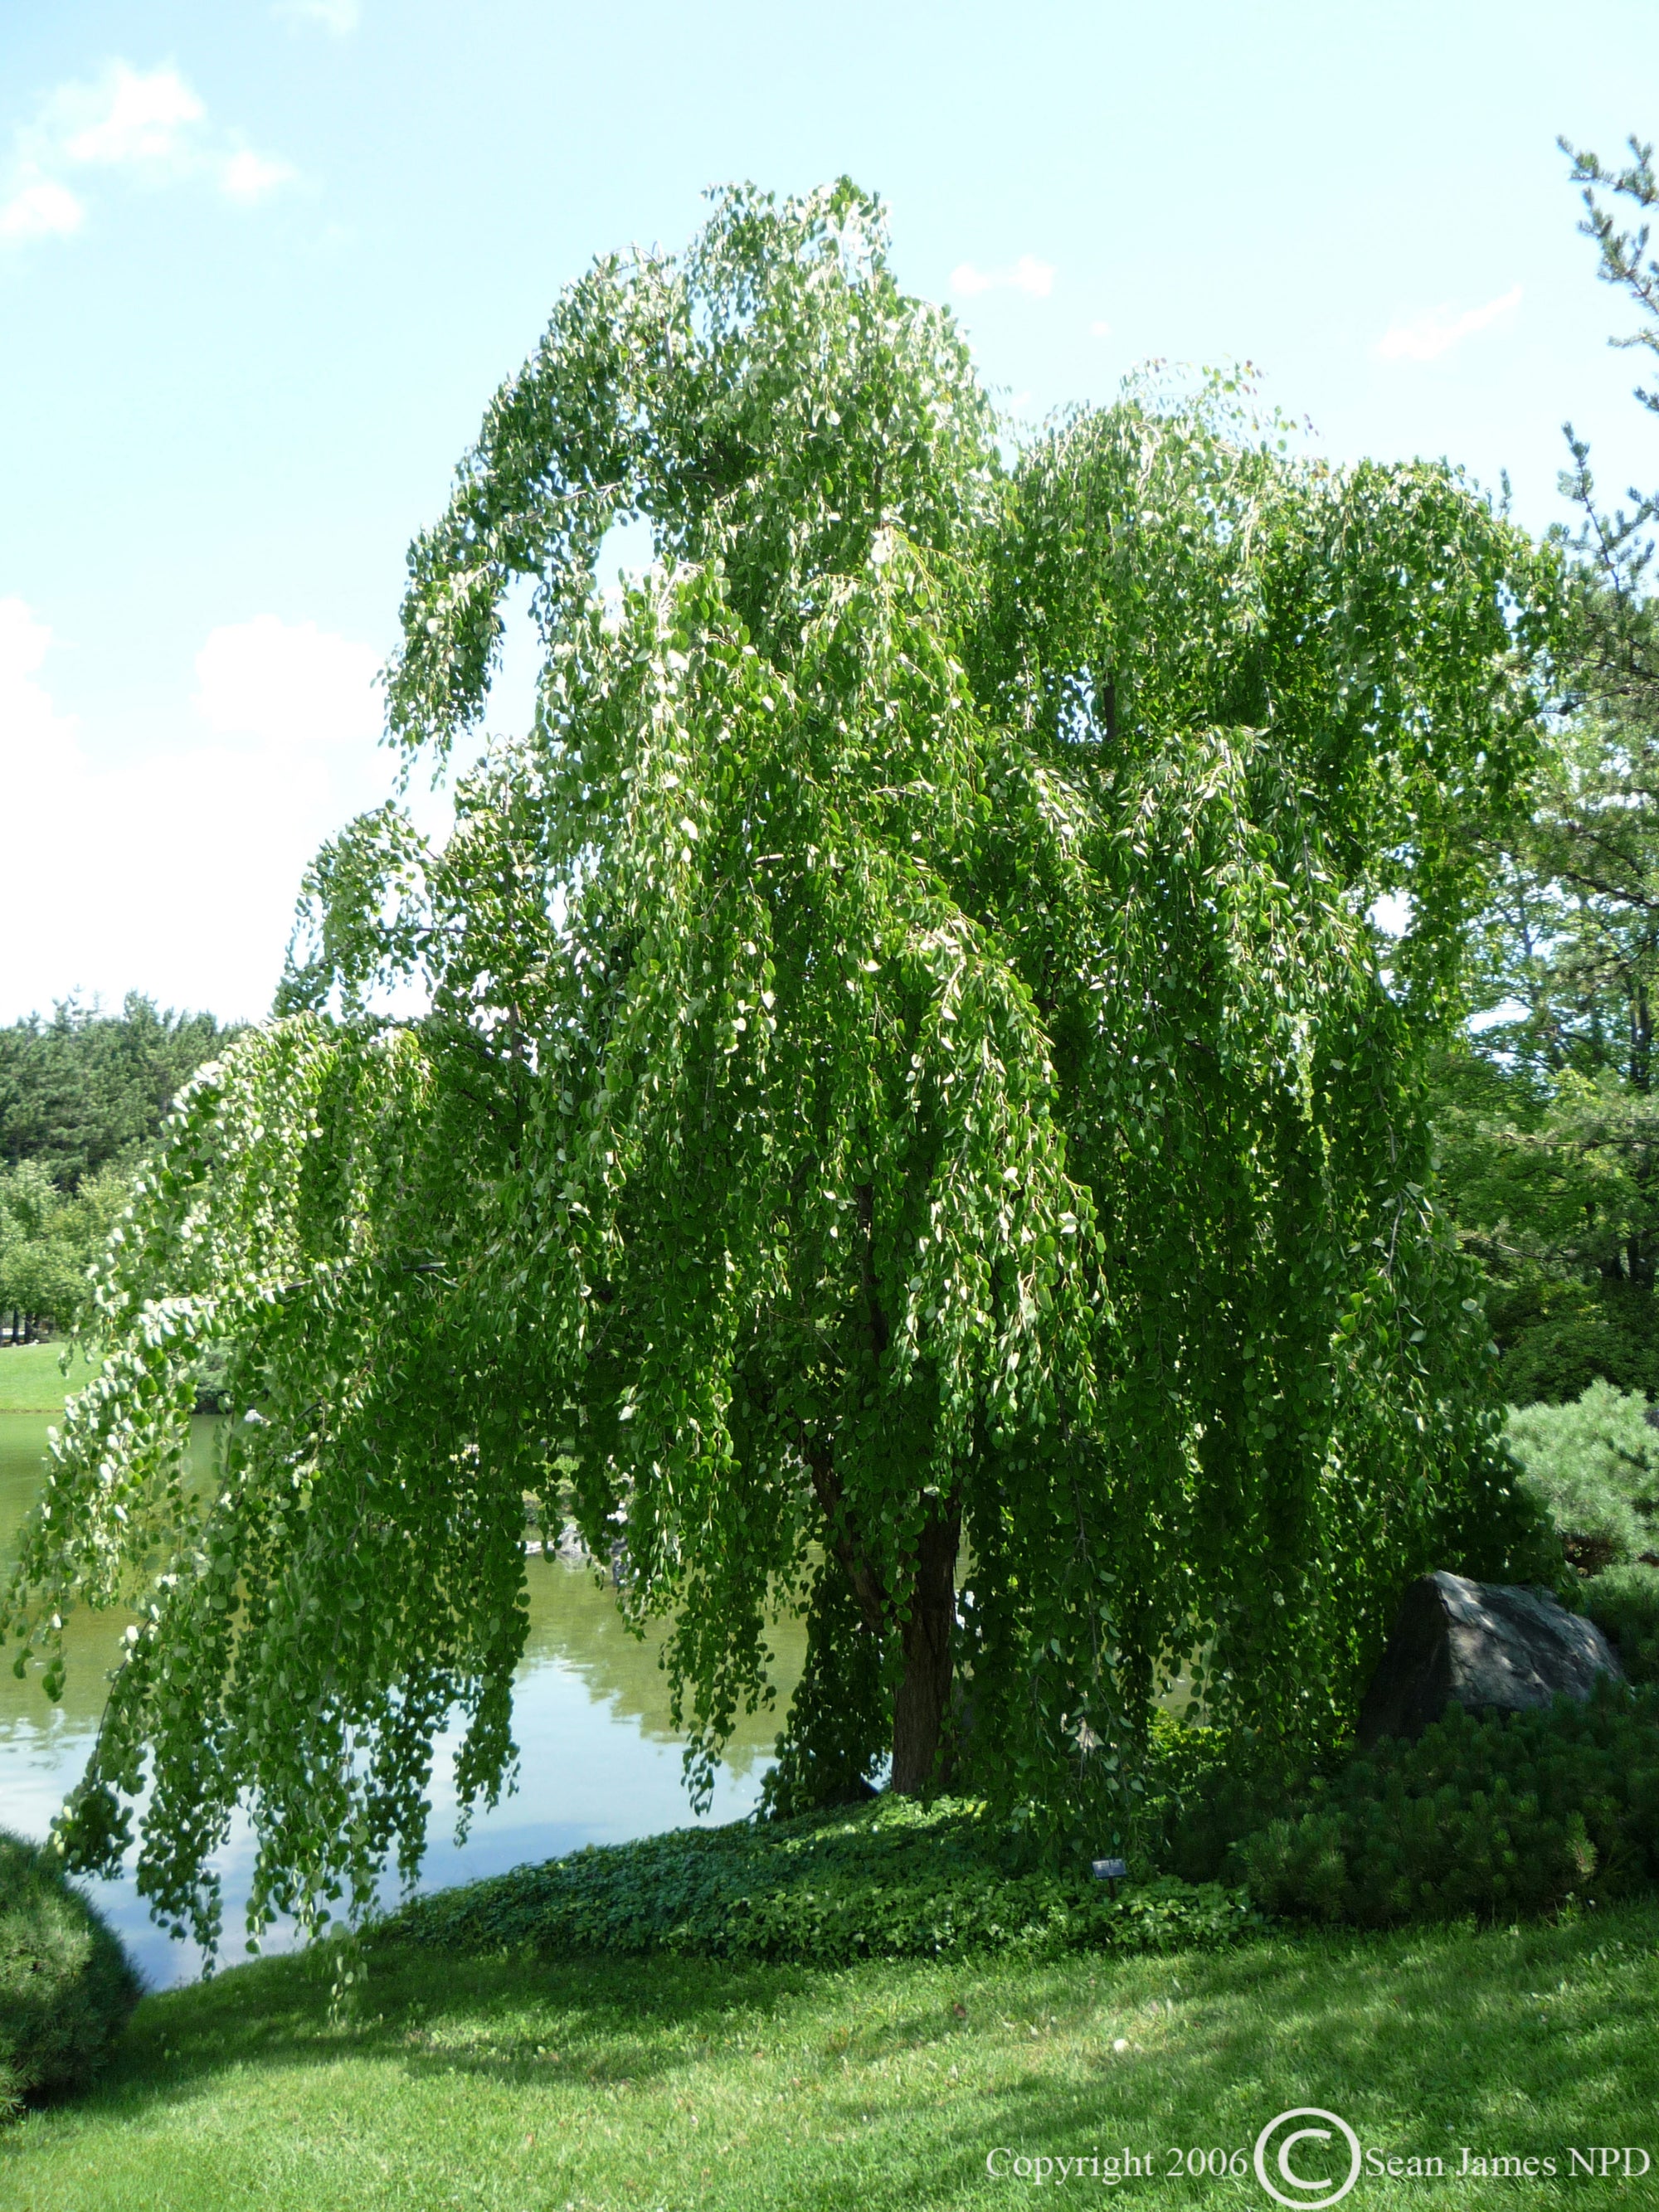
(1204,1790)
(1593,1467)
(1624,1603)
(67,1987)
(1516,1814)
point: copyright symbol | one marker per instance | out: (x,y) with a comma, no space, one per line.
(1305,2183)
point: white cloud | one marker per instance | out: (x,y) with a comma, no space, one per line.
(135,118)
(247,176)
(337,15)
(26,716)
(44,209)
(288,684)
(1426,337)
(1028,274)
(148,122)
(176,873)
(1100,329)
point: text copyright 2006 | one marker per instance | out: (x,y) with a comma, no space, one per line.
(1283,2154)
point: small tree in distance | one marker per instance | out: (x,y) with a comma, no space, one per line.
(908,1082)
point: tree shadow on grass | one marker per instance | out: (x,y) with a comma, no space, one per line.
(1518,2042)
(607,2020)
(1523,2042)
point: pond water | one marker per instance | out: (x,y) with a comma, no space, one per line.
(598,1762)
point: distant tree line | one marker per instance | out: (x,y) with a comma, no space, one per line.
(82,1095)
(1546,1112)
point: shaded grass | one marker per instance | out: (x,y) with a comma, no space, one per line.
(507,2082)
(30,1381)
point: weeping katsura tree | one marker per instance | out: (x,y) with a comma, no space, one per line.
(912,1124)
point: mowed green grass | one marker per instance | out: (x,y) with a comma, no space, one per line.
(30,1381)
(514,2083)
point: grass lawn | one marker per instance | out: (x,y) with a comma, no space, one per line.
(514,2083)
(30,1381)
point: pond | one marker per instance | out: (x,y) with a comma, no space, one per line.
(598,1762)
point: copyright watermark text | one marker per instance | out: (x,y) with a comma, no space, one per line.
(1310,2158)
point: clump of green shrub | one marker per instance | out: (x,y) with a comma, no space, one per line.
(1500,1815)
(1593,1467)
(1556,1336)
(66,1986)
(894,1880)
(1624,1603)
(1203,1789)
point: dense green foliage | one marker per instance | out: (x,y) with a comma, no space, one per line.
(1494,1816)
(909,1076)
(896,1881)
(1547,1173)
(66,1988)
(827,1755)
(1204,1790)
(1594,1467)
(1624,1603)
(49,1241)
(80,1098)
(1550,1144)
(87,1091)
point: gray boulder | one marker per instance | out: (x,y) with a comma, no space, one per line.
(1492,1646)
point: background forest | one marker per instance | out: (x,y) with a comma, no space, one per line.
(82,1096)
(1544,1108)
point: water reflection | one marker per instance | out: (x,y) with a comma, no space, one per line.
(599,1762)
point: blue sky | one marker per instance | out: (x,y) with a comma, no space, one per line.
(261,266)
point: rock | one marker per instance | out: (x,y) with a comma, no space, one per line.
(1492,1646)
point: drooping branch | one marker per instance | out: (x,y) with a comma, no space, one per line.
(842,1539)
(899,1072)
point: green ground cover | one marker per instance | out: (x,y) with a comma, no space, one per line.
(514,2083)
(31,1382)
(893,1878)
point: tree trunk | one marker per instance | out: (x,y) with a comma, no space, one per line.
(924,1690)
